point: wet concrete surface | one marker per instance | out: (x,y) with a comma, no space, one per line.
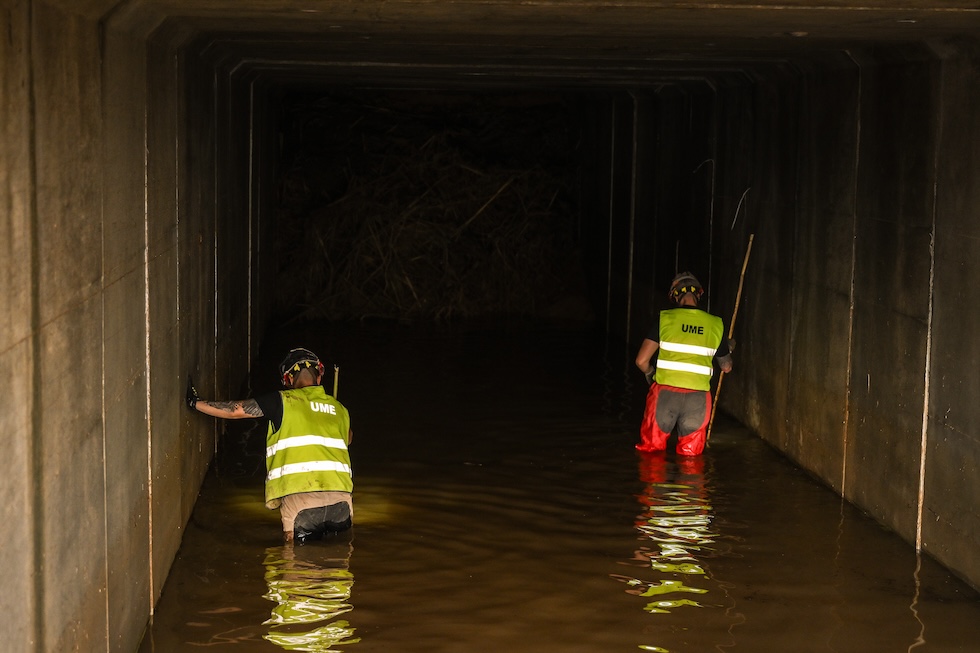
(500,506)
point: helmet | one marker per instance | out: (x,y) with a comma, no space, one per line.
(296,360)
(684,283)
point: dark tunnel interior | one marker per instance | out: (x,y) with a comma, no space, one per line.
(470,170)
(448,162)
(438,205)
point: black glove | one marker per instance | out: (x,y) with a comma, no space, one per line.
(192,397)
(649,375)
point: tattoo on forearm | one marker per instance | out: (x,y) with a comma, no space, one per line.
(249,406)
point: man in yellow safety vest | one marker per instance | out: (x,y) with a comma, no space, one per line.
(308,470)
(686,341)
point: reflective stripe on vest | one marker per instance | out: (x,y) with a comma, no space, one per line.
(313,466)
(305,441)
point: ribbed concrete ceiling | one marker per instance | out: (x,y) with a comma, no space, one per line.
(556,42)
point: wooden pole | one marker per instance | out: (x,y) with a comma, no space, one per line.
(731,332)
(336,379)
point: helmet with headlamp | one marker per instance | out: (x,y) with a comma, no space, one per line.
(297,360)
(685,283)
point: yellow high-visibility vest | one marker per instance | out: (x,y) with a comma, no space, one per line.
(689,338)
(309,451)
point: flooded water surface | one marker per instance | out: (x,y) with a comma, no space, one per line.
(499,506)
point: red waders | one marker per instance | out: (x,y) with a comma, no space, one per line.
(667,407)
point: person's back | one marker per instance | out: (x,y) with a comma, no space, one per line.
(686,341)
(307,459)
(308,470)
(689,338)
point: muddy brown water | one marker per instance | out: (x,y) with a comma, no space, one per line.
(500,507)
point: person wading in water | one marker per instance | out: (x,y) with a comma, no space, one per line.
(308,470)
(686,341)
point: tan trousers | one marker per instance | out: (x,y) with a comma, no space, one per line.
(293,504)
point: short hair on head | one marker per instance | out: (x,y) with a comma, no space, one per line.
(307,372)
(685,283)
(297,360)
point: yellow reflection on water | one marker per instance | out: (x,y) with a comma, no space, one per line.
(376,505)
(668,586)
(310,585)
(675,525)
(251,502)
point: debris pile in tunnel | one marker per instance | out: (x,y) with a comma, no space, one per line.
(429,207)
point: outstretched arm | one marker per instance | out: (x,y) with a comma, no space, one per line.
(239,409)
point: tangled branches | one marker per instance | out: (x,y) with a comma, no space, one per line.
(430,215)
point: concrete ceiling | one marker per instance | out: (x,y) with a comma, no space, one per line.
(535,42)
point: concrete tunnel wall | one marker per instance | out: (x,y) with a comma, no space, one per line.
(122,273)
(854,353)
(134,253)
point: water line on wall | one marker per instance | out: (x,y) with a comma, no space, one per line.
(215,130)
(632,229)
(177,307)
(251,232)
(711,232)
(853,285)
(146,345)
(176,153)
(612,195)
(102,396)
(711,199)
(924,442)
(36,444)
(927,374)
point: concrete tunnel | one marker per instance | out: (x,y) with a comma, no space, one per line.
(141,161)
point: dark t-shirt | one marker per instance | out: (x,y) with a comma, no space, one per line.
(271,405)
(655,336)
